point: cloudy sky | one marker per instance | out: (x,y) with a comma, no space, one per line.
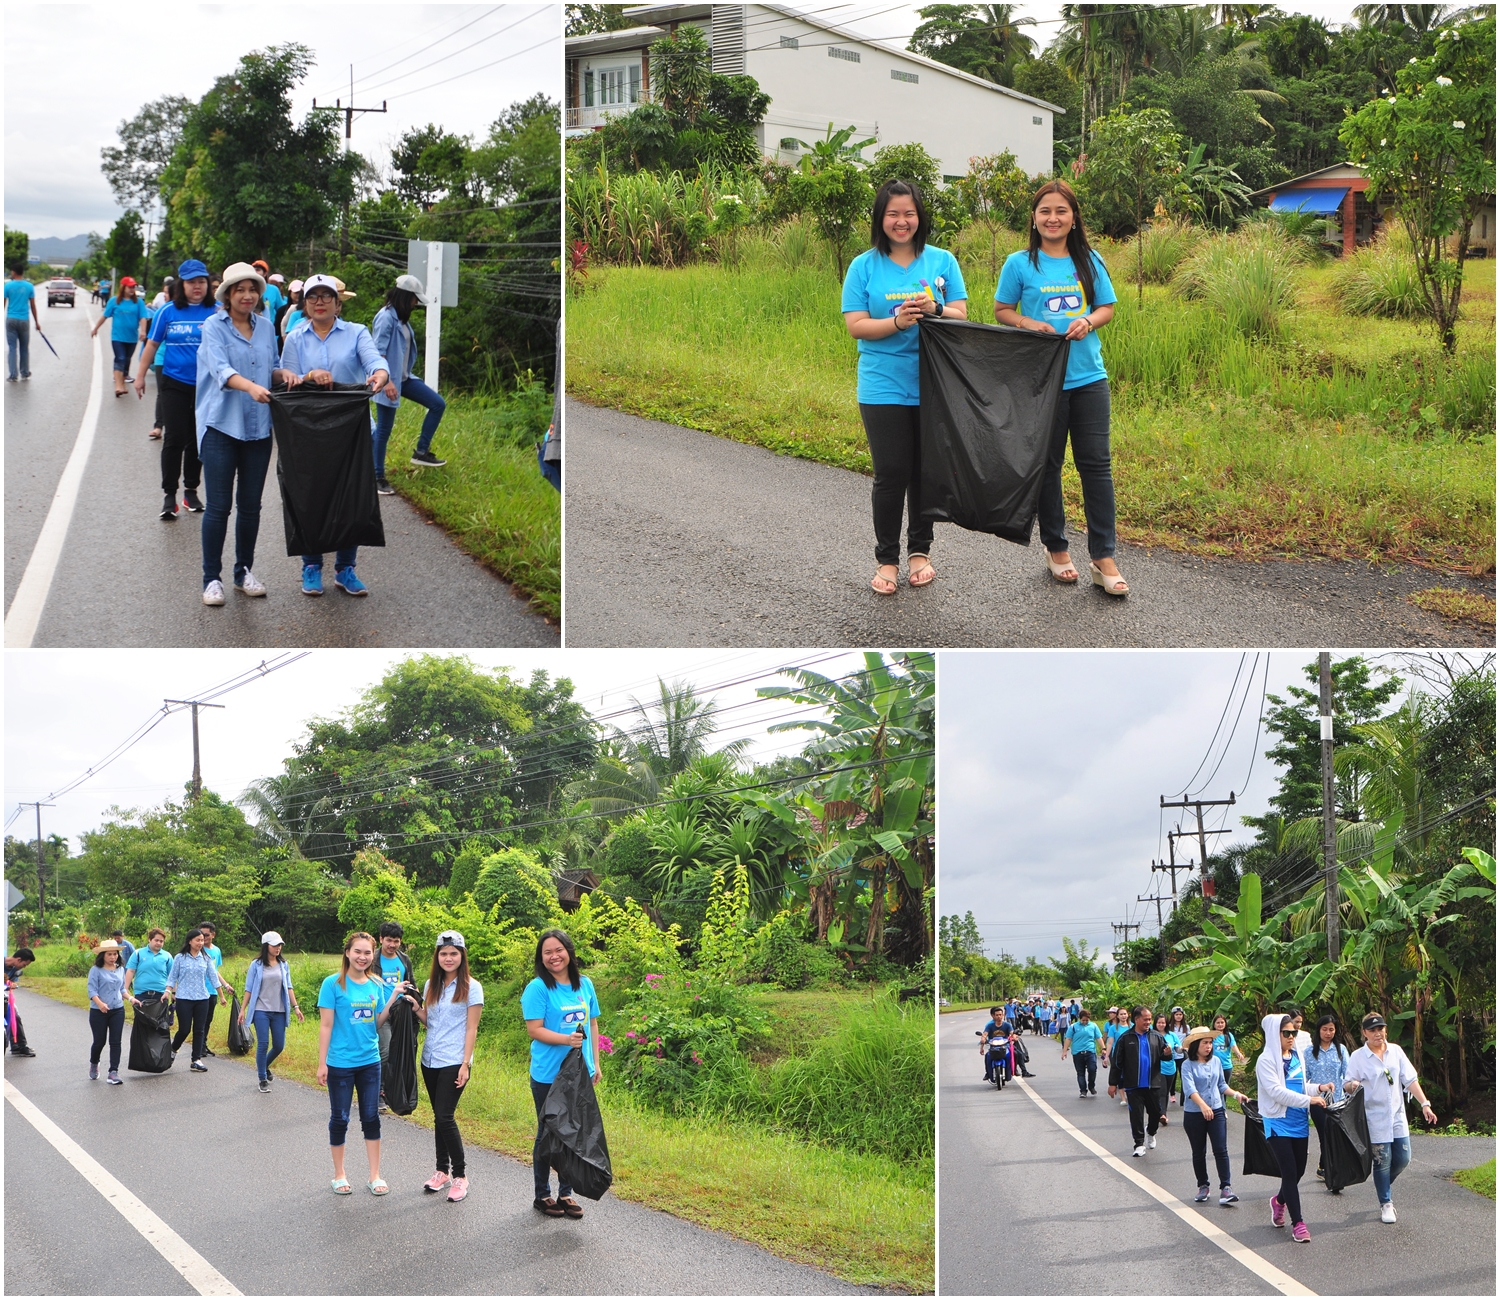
(67,709)
(73,72)
(1051,764)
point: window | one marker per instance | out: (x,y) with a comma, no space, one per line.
(898,75)
(588,90)
(635,83)
(849,56)
(613,87)
(1035,121)
(789,144)
(789,43)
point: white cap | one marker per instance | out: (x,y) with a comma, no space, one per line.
(270,936)
(326,282)
(449,939)
(278,278)
(413,285)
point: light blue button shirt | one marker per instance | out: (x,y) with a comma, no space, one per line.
(224,352)
(348,353)
(397,342)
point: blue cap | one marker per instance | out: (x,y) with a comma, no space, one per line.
(192,269)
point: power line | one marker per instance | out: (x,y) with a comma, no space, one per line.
(423,49)
(1228,700)
(401,76)
(1229,739)
(552,39)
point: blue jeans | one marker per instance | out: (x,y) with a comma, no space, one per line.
(343,1083)
(385,419)
(17,337)
(1390,1158)
(1086,1066)
(551,469)
(1202,1132)
(225,459)
(123,352)
(341,559)
(269,1025)
(1083,413)
(541,1170)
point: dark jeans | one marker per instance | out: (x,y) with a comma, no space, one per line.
(270,1031)
(234,471)
(17,339)
(343,1083)
(1083,413)
(443,1092)
(175,408)
(123,352)
(1144,1102)
(1086,1065)
(541,1170)
(1291,1157)
(192,1018)
(895,438)
(102,1023)
(344,559)
(1200,1132)
(156,421)
(385,419)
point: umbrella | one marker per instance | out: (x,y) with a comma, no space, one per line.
(48,342)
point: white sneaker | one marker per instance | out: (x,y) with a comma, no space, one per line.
(1139,1151)
(1123,1102)
(1388,1213)
(250,585)
(213,594)
(1151,1142)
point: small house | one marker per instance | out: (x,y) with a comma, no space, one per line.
(572,885)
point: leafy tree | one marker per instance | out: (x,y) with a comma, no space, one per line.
(680,71)
(838,198)
(997,189)
(672,731)
(378,887)
(521,887)
(983,40)
(1078,963)
(17,247)
(1139,956)
(300,900)
(125,248)
(430,164)
(585,20)
(961,934)
(1430,149)
(466,868)
(148,140)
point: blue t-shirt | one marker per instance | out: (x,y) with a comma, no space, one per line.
(1051,291)
(1085,1038)
(874,283)
(355,1041)
(1168,1057)
(392,970)
(1294,1123)
(151,970)
(560,1009)
(1222,1043)
(178,330)
(125,316)
(18,296)
(273,301)
(1143,1061)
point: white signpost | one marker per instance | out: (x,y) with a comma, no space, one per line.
(436,266)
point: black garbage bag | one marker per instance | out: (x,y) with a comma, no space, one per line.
(151,1038)
(239,1036)
(325,466)
(989,399)
(1347,1157)
(575,1129)
(1259,1158)
(398,1078)
(1022,1055)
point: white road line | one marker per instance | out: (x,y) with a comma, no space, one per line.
(1263,1269)
(31,596)
(202,1276)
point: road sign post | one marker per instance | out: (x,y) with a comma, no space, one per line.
(436,266)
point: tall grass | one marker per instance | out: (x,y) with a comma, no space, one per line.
(1381,279)
(1250,277)
(648,218)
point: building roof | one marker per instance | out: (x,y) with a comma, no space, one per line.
(654,15)
(1344,171)
(606,42)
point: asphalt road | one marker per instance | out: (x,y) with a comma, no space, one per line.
(244,1179)
(1009,1173)
(126,578)
(680,538)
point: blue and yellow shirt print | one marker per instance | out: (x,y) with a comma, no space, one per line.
(1051,291)
(888,367)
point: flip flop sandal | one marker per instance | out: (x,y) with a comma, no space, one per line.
(570,1207)
(549,1207)
(916,579)
(341,1187)
(377,1187)
(1057,571)
(883,586)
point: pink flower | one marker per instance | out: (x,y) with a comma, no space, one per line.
(697,1060)
(632,1035)
(651,979)
(606,1044)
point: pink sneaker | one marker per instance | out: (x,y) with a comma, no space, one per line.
(437,1182)
(1278,1214)
(1300,1232)
(460,1189)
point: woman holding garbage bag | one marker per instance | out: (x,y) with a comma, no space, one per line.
(397,343)
(177,331)
(269,997)
(1386,1074)
(898,279)
(327,350)
(1204,1120)
(1285,1097)
(1327,1062)
(452,1004)
(1059,285)
(236,368)
(192,985)
(557,1005)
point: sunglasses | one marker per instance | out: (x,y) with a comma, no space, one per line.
(1289,1033)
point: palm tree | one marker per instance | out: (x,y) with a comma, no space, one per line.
(673,730)
(293,810)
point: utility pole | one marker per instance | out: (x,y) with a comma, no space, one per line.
(348,110)
(1198,805)
(1171,864)
(1330,825)
(1158,899)
(41,865)
(195,705)
(1124,927)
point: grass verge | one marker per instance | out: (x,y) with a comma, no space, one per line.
(1480,1179)
(863,1218)
(1458,606)
(1340,437)
(490,497)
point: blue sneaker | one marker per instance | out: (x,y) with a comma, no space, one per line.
(345,580)
(312,580)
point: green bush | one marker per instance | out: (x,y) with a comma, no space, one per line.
(465,872)
(1249,277)
(522,888)
(1381,279)
(77,963)
(1164,245)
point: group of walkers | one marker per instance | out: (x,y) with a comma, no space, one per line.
(1056,285)
(559,1007)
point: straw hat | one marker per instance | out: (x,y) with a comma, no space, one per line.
(109,945)
(1194,1035)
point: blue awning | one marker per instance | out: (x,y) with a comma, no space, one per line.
(1311,199)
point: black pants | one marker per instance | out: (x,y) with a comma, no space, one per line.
(192,1018)
(1144,1102)
(1291,1156)
(1200,1133)
(175,407)
(111,1023)
(1086,1065)
(895,437)
(20,1039)
(540,1168)
(1320,1122)
(1083,415)
(156,422)
(443,1092)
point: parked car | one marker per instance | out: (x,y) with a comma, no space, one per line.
(61,289)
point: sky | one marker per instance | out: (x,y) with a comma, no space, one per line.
(69,80)
(67,709)
(1050,767)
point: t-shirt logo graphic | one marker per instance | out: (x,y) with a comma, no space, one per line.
(1065,302)
(573,1017)
(361,1012)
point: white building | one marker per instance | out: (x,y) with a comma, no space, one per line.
(816,73)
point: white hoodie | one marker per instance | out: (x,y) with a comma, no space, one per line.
(1275,1098)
